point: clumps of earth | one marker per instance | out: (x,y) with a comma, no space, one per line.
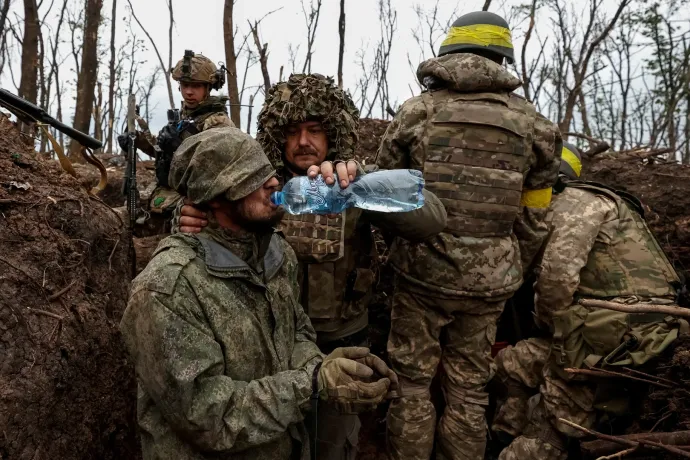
(67,390)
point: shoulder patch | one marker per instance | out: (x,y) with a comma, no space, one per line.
(164,269)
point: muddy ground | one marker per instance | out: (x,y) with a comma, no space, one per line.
(66,388)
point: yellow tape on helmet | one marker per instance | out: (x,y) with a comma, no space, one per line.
(569,157)
(540,198)
(479,34)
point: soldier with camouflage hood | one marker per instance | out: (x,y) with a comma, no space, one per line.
(197,76)
(492,160)
(600,248)
(306,124)
(224,354)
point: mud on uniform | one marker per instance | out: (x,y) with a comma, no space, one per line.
(492,160)
(600,248)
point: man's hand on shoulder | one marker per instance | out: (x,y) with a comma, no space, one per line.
(192,220)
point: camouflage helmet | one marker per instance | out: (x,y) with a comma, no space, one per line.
(308,97)
(479,31)
(198,69)
(571,161)
(219,161)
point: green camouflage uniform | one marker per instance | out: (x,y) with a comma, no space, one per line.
(492,161)
(224,353)
(336,254)
(600,248)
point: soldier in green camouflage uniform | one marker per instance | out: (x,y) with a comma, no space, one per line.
(336,253)
(492,160)
(197,75)
(600,248)
(224,354)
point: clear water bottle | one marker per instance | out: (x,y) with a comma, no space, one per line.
(396,190)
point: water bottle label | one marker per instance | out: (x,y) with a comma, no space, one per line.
(315,194)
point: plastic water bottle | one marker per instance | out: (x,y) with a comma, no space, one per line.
(396,190)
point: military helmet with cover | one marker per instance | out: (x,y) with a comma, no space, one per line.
(308,97)
(571,161)
(479,31)
(197,68)
(219,161)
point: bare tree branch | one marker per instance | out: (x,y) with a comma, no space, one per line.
(158,54)
(341,47)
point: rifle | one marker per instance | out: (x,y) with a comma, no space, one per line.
(31,113)
(131,179)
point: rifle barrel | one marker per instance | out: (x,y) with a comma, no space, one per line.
(17,104)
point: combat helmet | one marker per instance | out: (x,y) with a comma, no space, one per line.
(571,161)
(308,97)
(479,31)
(198,69)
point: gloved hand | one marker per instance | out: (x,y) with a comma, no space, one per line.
(354,379)
(123,141)
(169,139)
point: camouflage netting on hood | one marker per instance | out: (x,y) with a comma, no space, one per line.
(303,98)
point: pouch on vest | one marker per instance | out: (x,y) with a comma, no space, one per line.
(478,149)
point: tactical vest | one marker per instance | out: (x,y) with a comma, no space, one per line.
(336,260)
(633,263)
(195,118)
(478,152)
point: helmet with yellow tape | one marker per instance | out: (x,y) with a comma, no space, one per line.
(479,31)
(571,161)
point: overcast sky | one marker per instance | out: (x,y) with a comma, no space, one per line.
(199,27)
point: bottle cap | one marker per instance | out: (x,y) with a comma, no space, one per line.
(277,198)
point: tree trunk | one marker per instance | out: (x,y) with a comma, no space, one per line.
(111,82)
(98,114)
(231,62)
(3,18)
(86,82)
(28,86)
(341,48)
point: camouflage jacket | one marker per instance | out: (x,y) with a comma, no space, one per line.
(338,260)
(470,264)
(223,352)
(600,247)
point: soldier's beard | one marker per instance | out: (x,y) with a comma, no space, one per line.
(254,217)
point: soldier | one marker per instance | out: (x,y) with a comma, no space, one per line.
(492,160)
(197,75)
(224,354)
(600,248)
(306,124)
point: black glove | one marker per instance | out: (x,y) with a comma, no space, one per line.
(123,141)
(169,139)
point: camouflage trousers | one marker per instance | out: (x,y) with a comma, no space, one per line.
(535,398)
(458,334)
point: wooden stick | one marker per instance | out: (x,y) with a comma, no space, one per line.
(620,454)
(649,376)
(604,447)
(37,311)
(607,373)
(626,442)
(61,291)
(637,308)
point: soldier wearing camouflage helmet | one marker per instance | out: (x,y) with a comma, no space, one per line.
(492,160)
(197,75)
(306,124)
(600,248)
(223,352)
